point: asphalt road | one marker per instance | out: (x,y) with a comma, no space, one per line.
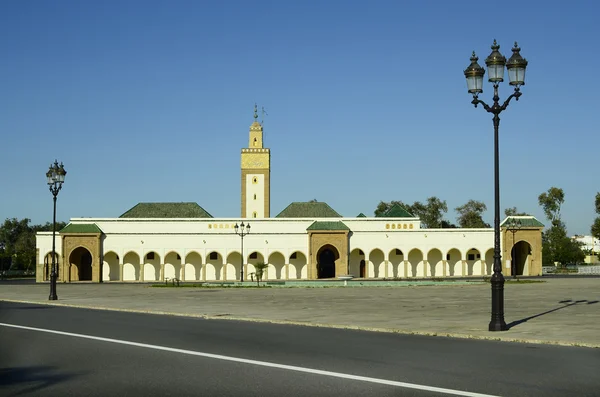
(145,355)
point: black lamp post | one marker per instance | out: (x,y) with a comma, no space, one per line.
(56,177)
(241,231)
(516,73)
(513,225)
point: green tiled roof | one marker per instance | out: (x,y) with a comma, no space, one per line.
(328,225)
(315,209)
(397,211)
(166,210)
(361,215)
(81,228)
(525,221)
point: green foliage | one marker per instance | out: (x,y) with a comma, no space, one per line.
(470,215)
(431,213)
(550,202)
(595,229)
(513,211)
(557,247)
(17,243)
(259,269)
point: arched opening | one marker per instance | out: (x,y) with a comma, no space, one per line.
(489,261)
(473,262)
(454,263)
(110,267)
(193,266)
(416,266)
(436,266)
(397,262)
(234,264)
(253,259)
(151,267)
(131,267)
(521,258)
(326,257)
(357,263)
(172,265)
(277,268)
(377,258)
(214,266)
(81,264)
(297,268)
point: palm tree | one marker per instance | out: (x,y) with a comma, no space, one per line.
(259,269)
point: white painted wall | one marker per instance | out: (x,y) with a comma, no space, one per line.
(424,251)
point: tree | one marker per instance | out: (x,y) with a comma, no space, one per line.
(557,247)
(550,202)
(431,213)
(17,242)
(595,229)
(513,211)
(470,214)
(259,270)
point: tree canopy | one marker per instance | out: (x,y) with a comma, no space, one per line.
(557,247)
(513,211)
(17,242)
(470,214)
(551,202)
(431,212)
(595,229)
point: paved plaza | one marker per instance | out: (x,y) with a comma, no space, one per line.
(562,311)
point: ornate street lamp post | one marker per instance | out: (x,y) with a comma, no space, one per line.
(242,230)
(513,225)
(516,73)
(56,177)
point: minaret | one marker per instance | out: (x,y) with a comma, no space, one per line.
(256,174)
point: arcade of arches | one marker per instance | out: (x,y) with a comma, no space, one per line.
(329,256)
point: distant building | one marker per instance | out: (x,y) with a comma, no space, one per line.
(588,243)
(306,240)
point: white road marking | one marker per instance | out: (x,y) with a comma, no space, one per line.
(261,363)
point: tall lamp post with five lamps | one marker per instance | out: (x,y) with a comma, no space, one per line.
(516,73)
(242,230)
(56,177)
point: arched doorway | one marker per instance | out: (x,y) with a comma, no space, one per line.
(81,264)
(521,255)
(326,258)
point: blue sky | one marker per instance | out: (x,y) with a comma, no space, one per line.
(366,101)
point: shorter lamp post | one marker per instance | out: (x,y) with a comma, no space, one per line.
(513,225)
(242,230)
(56,177)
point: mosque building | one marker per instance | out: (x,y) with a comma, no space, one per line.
(305,241)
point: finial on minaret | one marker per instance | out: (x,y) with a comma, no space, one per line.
(255,112)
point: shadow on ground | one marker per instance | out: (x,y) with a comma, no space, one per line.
(566,303)
(31,380)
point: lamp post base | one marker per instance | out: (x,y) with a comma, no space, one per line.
(497,322)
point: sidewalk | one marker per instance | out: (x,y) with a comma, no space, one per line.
(562,311)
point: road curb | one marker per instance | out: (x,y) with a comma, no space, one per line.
(319,325)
